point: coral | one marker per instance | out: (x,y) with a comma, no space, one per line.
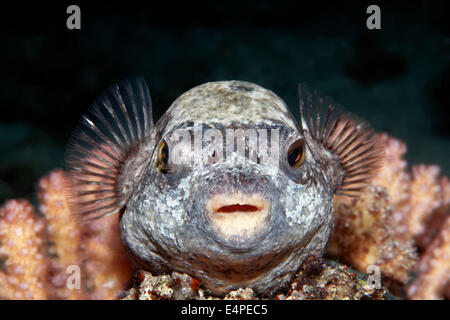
(400,212)
(106,262)
(364,235)
(415,196)
(425,197)
(23,247)
(436,218)
(393,175)
(316,280)
(64,234)
(39,250)
(434,268)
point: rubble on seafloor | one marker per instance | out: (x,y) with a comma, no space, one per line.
(316,280)
(400,224)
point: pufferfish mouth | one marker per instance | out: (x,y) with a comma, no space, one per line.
(237,215)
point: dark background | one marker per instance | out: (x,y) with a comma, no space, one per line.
(397,78)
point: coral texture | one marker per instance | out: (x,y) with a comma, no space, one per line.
(398,218)
(106,263)
(63,235)
(23,248)
(418,197)
(434,268)
(41,249)
(365,236)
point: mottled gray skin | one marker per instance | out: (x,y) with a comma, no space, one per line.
(165,226)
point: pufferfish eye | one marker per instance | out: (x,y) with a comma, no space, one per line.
(162,157)
(296,153)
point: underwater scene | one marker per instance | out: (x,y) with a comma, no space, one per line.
(354,203)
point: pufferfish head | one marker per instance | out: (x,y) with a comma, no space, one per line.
(227,186)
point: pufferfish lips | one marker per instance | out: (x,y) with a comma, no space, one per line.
(238,215)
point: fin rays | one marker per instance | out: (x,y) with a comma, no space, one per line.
(118,121)
(359,149)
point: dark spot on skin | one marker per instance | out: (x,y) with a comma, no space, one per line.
(241,88)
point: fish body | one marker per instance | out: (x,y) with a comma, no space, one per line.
(226,187)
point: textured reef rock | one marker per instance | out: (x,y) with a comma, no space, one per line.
(401,223)
(316,280)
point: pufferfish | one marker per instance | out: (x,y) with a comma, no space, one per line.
(227,186)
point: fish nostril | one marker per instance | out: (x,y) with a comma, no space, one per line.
(237,207)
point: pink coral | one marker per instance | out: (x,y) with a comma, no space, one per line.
(23,246)
(414,196)
(40,249)
(63,234)
(434,268)
(106,262)
(412,213)
(364,235)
